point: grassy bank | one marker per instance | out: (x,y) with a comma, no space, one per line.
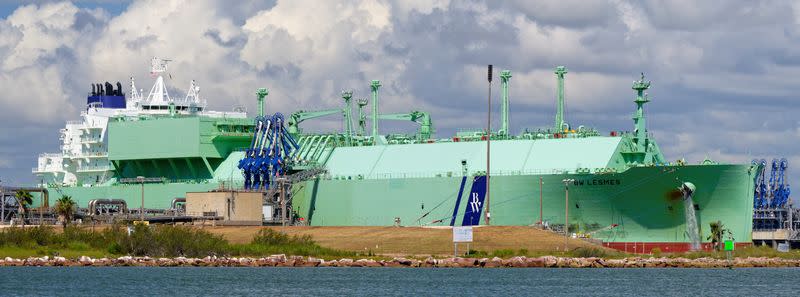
(323,242)
(153,241)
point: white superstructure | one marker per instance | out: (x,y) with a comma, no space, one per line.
(83,160)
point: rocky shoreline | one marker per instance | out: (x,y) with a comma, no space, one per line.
(300,261)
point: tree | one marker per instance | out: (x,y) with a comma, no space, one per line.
(718,232)
(65,208)
(24,200)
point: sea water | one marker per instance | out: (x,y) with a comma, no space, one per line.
(196,281)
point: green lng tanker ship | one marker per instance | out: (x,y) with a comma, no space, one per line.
(618,189)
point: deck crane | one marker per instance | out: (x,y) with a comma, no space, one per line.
(299,116)
(270,146)
(422,118)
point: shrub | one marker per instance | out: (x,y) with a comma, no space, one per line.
(170,241)
(503,253)
(272,237)
(656,252)
(583,252)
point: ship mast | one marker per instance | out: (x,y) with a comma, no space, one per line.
(347,95)
(559,124)
(158,93)
(362,118)
(376,84)
(261,93)
(505,75)
(640,126)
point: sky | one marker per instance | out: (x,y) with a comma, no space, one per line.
(724,73)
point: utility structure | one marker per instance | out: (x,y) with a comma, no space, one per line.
(566,182)
(425,131)
(362,117)
(262,94)
(347,96)
(505,75)
(375,85)
(775,220)
(488,143)
(640,125)
(140,179)
(559,124)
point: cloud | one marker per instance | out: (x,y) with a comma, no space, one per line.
(723,72)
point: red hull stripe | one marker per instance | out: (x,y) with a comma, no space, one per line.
(665,247)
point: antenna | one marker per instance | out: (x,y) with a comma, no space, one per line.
(158,65)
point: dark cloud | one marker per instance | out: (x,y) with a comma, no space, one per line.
(141,42)
(235,42)
(690,15)
(567,13)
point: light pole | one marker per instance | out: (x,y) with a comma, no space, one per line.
(541,200)
(488,216)
(2,204)
(566,181)
(140,179)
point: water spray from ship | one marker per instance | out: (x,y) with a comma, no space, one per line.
(692,230)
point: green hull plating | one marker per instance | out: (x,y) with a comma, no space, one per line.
(643,201)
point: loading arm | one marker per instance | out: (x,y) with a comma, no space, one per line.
(422,118)
(294,120)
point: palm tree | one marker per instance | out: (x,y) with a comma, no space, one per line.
(65,208)
(718,231)
(24,199)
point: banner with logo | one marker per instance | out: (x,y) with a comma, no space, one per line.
(474,207)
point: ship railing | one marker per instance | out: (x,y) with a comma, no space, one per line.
(90,139)
(51,155)
(93,168)
(396,175)
(75,123)
(47,169)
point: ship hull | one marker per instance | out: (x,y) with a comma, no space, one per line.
(639,205)
(642,203)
